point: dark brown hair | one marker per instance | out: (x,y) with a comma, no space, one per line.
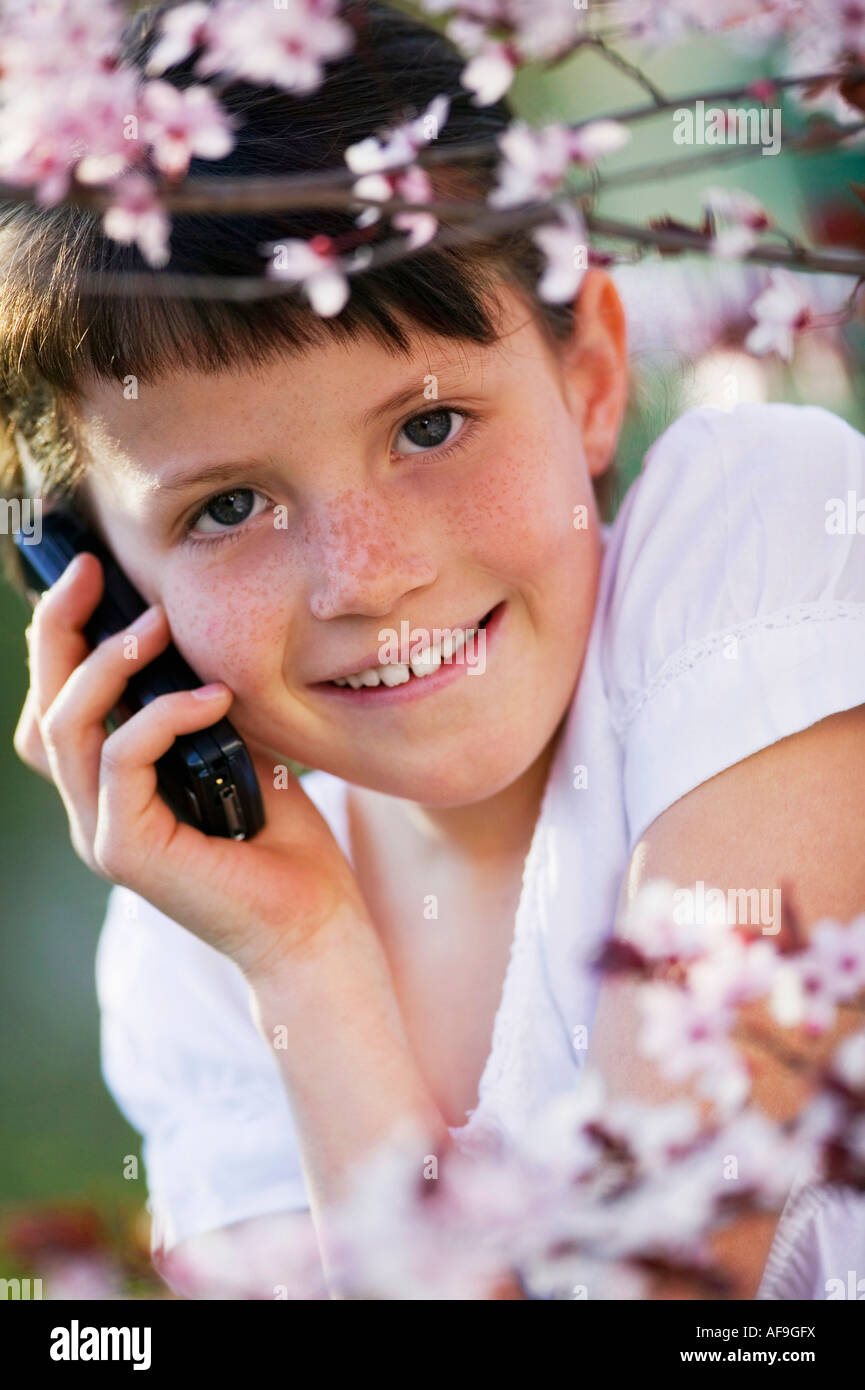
(55,331)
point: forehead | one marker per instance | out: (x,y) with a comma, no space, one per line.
(188,414)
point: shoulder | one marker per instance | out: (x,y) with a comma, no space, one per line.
(706,445)
(721,491)
(734,598)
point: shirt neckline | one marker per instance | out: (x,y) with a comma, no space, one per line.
(514,983)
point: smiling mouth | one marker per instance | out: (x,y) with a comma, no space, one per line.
(449,653)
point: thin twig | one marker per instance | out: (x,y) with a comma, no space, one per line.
(684,239)
(629,69)
(320,188)
(726,94)
(665,169)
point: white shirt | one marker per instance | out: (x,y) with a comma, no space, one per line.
(728,617)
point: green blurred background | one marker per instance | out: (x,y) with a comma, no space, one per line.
(63,1140)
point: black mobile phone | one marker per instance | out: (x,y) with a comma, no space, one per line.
(207,777)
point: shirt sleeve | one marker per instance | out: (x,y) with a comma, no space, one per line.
(186,1065)
(735,615)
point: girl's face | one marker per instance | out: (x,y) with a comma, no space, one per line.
(354,513)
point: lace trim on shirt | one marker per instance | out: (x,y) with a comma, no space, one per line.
(484,1125)
(688,657)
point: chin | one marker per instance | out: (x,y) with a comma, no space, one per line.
(446,786)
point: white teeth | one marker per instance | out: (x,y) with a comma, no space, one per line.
(430,660)
(423,665)
(393,675)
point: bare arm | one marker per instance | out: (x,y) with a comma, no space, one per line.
(351,1078)
(792,814)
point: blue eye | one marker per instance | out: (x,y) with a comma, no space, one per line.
(432,429)
(227,511)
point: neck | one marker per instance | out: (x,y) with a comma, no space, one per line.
(496,828)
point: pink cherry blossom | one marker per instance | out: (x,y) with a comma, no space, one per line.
(781,312)
(562,1136)
(182,30)
(400,144)
(590,142)
(818,42)
(534,163)
(404,1225)
(654,924)
(737,206)
(685,1034)
(415,186)
(809,986)
(565,245)
(313,265)
(734,971)
(72,122)
(849,1061)
(489,74)
(803,995)
(492,62)
(136,216)
(547,28)
(179,124)
(41,37)
(286,45)
(377,186)
(655,1134)
(535,30)
(741,218)
(766,1158)
(841,949)
(374,156)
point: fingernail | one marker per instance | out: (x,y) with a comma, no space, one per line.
(147,619)
(70,571)
(209,692)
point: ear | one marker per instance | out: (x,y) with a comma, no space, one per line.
(596,367)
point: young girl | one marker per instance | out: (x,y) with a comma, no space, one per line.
(680,694)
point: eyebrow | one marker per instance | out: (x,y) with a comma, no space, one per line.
(214,473)
(228,471)
(404,396)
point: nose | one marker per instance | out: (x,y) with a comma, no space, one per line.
(364,561)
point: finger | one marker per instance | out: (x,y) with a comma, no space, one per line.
(27,740)
(133,818)
(72,728)
(56,642)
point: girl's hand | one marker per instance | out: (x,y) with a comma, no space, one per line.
(257,901)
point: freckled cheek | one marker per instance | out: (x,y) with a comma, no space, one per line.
(228,629)
(517,516)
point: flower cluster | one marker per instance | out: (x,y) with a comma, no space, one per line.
(605,1193)
(73,118)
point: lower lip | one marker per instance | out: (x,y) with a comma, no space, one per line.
(416,686)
